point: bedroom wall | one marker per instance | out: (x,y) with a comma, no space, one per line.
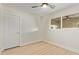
(66,37)
(30,29)
(1,27)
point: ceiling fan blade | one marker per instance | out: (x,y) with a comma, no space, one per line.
(52,6)
(35,6)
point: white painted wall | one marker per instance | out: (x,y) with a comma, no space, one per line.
(45,26)
(68,38)
(29,29)
(1,27)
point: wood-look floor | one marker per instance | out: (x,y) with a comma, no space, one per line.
(39,48)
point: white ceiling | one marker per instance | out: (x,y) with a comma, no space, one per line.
(40,11)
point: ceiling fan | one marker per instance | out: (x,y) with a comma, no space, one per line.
(44,5)
(66,18)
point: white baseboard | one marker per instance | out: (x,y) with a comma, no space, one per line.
(62,46)
(22,44)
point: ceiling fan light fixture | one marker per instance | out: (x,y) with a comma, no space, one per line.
(67,18)
(44,5)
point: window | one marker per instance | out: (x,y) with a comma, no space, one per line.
(56,23)
(70,21)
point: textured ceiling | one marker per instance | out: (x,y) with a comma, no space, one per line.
(26,7)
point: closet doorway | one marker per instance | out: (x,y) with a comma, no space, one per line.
(11,31)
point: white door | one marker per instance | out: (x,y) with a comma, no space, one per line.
(11,31)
